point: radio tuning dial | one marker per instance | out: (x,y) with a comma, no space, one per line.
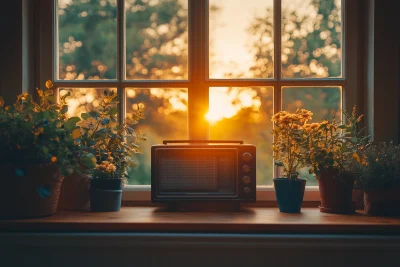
(246,168)
(247,190)
(246,156)
(246,179)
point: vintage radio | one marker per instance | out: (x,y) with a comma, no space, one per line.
(203,171)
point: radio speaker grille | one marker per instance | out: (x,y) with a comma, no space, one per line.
(196,174)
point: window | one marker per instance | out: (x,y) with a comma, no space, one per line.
(203,69)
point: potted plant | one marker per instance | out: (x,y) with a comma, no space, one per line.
(380,178)
(36,151)
(289,134)
(114,145)
(332,147)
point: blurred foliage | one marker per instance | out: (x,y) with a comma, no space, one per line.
(380,166)
(156,48)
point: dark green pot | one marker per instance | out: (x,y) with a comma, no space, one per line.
(105,195)
(289,194)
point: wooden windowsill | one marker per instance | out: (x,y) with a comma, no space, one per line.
(249,220)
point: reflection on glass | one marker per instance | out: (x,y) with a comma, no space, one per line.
(311,39)
(324,102)
(244,113)
(241,39)
(82,100)
(156,39)
(87,42)
(165,113)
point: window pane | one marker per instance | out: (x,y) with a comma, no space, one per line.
(156,39)
(324,102)
(87,43)
(311,39)
(82,100)
(245,114)
(241,39)
(165,118)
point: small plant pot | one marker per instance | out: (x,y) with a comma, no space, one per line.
(336,190)
(289,194)
(382,202)
(105,195)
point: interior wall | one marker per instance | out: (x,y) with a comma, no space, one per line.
(383,80)
(16,50)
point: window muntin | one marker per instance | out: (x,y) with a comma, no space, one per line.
(201,85)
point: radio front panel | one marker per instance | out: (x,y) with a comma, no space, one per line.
(200,172)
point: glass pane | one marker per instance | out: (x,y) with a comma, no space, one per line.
(165,113)
(245,114)
(324,102)
(241,42)
(156,39)
(87,42)
(82,100)
(311,38)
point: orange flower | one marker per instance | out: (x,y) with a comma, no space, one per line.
(53,159)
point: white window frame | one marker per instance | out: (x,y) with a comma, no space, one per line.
(198,83)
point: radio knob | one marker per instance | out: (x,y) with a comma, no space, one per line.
(247,156)
(246,179)
(247,190)
(246,168)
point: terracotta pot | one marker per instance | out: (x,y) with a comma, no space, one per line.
(29,190)
(336,191)
(382,202)
(74,193)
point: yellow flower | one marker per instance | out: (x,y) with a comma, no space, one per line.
(53,159)
(49,84)
(305,114)
(278,115)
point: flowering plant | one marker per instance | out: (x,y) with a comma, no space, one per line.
(38,132)
(114,145)
(333,145)
(380,166)
(290,133)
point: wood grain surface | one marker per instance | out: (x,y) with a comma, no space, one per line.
(248,220)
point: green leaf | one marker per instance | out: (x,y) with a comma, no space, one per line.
(105,121)
(64,109)
(129,130)
(94,114)
(84,116)
(70,124)
(113,111)
(89,161)
(102,131)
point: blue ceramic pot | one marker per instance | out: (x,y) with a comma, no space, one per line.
(105,195)
(289,194)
